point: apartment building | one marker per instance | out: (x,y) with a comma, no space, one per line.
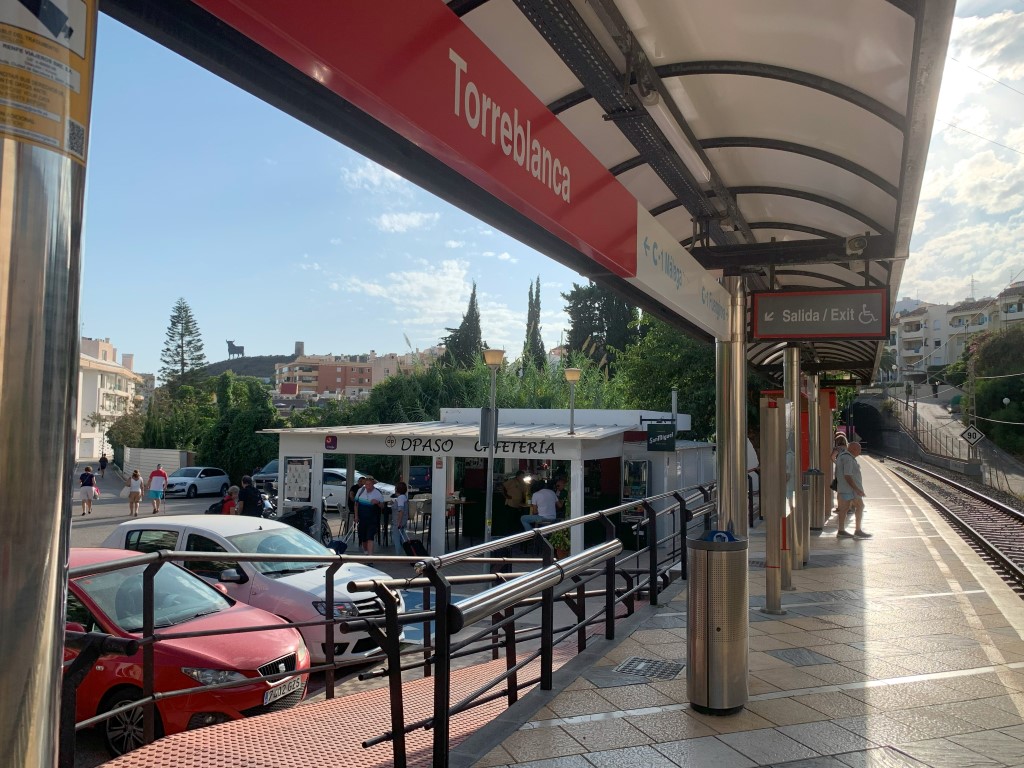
(921,338)
(967,318)
(343,376)
(106,390)
(1010,302)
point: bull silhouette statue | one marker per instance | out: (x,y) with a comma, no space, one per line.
(235,350)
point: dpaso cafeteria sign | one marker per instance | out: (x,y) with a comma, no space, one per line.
(857,313)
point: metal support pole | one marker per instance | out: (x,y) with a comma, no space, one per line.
(609,582)
(547,623)
(773,499)
(489,484)
(791,377)
(651,529)
(814,444)
(731,415)
(41,197)
(330,628)
(443,666)
(148,676)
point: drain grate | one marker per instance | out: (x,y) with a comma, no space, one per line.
(655,668)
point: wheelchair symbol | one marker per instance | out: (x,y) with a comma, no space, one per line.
(866,316)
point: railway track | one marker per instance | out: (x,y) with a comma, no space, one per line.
(993,529)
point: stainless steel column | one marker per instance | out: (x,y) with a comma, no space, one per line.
(731,415)
(773,499)
(791,377)
(41,195)
(814,438)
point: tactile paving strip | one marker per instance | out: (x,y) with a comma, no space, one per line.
(654,668)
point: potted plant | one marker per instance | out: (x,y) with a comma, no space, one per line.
(560,542)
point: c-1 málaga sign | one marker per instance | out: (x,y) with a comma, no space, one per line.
(855,313)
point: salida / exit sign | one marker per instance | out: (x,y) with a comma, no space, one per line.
(856,313)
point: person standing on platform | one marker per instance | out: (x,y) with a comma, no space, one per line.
(515,490)
(157,486)
(543,508)
(851,492)
(369,505)
(838,448)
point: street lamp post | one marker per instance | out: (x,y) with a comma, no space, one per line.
(493,359)
(572,375)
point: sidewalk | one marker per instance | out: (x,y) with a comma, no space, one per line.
(902,650)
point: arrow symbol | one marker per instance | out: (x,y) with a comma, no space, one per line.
(769,316)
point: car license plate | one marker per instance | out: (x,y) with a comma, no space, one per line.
(282,690)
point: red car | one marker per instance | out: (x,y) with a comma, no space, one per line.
(112,603)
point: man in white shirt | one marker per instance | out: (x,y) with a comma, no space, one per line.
(850,489)
(543,506)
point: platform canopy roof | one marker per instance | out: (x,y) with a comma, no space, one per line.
(760,135)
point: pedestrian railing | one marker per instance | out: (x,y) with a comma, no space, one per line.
(515,588)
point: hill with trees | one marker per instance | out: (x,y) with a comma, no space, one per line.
(259,366)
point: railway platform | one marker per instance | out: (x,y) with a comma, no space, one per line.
(905,649)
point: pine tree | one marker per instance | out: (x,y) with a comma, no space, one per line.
(533,347)
(464,344)
(183,355)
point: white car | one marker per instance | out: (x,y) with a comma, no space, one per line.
(335,488)
(294,591)
(192,481)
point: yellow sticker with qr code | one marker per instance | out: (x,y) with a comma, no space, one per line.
(46,59)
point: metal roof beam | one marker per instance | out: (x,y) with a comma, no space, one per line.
(852,366)
(575,44)
(753,142)
(788,225)
(832,250)
(788,75)
(813,197)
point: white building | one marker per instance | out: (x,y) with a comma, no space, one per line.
(106,390)
(922,339)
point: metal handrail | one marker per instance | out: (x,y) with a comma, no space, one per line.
(532,590)
(496,599)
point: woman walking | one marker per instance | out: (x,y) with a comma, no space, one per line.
(87,490)
(135,487)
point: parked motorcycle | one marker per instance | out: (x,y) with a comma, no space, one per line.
(304,519)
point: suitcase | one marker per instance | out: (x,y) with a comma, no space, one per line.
(414,548)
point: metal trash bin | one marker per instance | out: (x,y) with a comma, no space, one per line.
(717,621)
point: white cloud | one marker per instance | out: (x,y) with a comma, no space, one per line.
(370,177)
(334,286)
(336,241)
(454,243)
(506,256)
(403,222)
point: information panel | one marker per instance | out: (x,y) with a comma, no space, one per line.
(856,313)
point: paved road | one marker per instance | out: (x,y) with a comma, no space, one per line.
(109,510)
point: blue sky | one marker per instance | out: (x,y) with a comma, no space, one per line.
(274,233)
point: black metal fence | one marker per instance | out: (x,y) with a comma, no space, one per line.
(600,574)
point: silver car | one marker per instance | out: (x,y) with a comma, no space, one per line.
(192,481)
(295,591)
